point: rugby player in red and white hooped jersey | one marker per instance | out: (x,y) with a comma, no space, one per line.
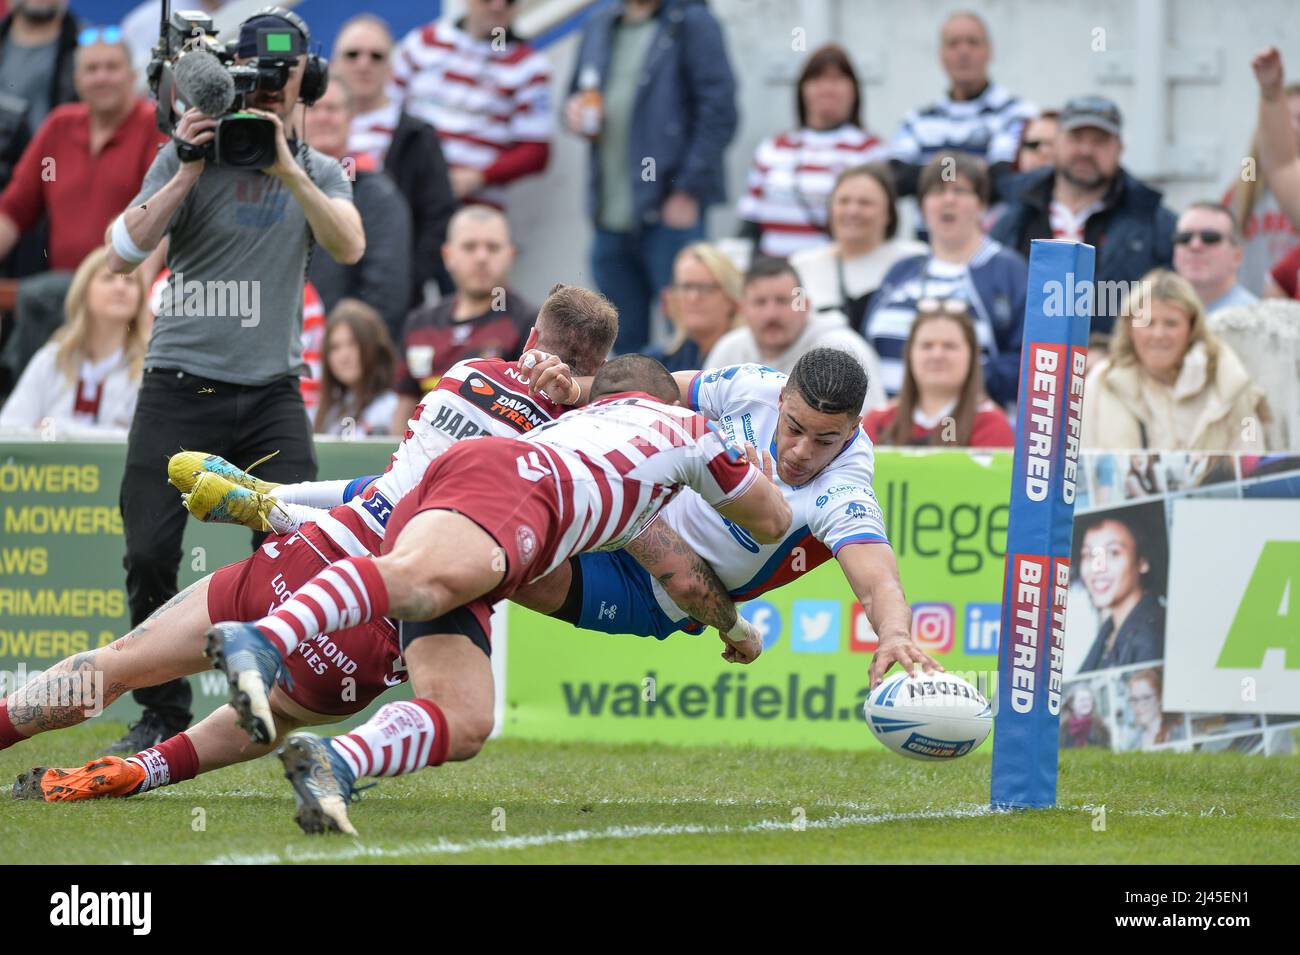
(492,397)
(328,679)
(489,516)
(810,422)
(481,396)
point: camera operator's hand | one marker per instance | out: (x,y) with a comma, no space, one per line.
(285,167)
(197,129)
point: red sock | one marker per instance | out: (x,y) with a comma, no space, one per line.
(346,593)
(401,738)
(8,735)
(172,761)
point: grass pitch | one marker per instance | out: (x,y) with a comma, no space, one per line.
(543,803)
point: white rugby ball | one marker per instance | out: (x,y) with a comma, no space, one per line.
(932,716)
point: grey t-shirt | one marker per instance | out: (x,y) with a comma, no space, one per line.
(631,40)
(232,310)
(27,72)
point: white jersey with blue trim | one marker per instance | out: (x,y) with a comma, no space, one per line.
(837,507)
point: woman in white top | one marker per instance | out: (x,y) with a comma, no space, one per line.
(843,275)
(85,379)
(356,394)
(1170,385)
(783,209)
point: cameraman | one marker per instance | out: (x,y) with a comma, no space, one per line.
(216,381)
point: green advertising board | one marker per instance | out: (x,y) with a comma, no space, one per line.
(946,515)
(62,583)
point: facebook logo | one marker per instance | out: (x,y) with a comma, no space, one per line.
(765,619)
(815,627)
(983,623)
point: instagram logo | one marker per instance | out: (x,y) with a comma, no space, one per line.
(932,626)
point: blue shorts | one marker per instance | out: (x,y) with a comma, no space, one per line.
(617,597)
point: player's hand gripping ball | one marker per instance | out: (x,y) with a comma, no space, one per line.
(933,716)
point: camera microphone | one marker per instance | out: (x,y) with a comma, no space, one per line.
(203,83)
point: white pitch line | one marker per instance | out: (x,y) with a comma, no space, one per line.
(446,847)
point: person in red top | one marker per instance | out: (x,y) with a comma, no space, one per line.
(1284,276)
(81,169)
(942,401)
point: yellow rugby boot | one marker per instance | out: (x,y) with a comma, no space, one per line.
(184,468)
(217,500)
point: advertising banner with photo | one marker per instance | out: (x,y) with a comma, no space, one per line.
(947,520)
(1184,628)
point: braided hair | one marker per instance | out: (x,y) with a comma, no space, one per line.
(830,381)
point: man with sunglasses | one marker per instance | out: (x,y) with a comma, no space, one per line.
(405,147)
(1087,196)
(1207,252)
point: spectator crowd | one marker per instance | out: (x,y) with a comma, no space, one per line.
(433,128)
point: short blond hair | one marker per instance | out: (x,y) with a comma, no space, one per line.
(1159,285)
(577,324)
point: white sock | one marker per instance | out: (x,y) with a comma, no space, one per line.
(401,738)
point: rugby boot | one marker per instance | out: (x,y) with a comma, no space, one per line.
(250,662)
(322,782)
(100,777)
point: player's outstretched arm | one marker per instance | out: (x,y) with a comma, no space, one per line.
(872,572)
(762,509)
(695,587)
(1277,148)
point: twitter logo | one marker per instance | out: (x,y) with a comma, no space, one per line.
(815,626)
(765,619)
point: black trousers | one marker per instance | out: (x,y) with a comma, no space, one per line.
(178,411)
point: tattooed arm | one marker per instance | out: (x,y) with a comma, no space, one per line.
(695,587)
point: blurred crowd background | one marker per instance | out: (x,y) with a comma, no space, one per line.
(738,186)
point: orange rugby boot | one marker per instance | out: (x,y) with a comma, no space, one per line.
(105,776)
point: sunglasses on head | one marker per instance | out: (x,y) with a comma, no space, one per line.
(941,306)
(376,56)
(1207,236)
(92,35)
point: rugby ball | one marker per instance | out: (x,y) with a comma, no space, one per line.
(934,716)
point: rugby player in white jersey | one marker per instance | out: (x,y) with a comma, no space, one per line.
(810,424)
(488,516)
